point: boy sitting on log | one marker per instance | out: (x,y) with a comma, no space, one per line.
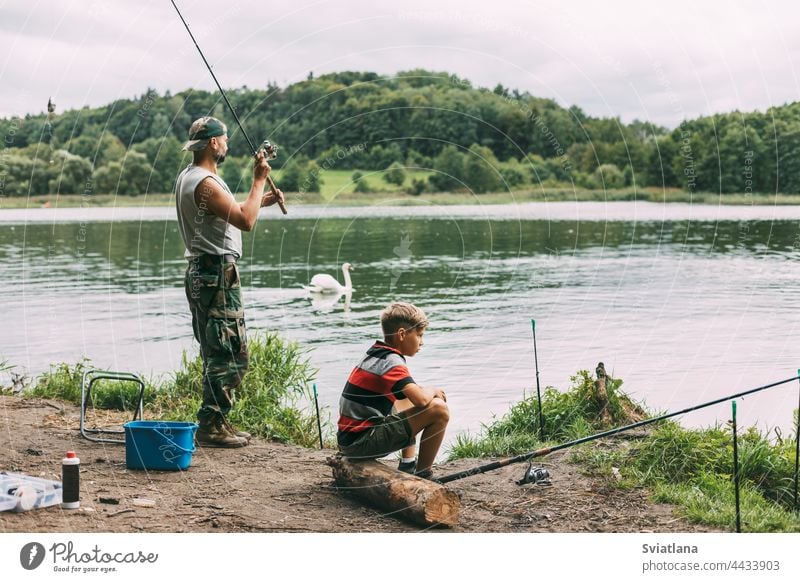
(382,408)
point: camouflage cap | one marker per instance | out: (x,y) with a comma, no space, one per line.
(201,131)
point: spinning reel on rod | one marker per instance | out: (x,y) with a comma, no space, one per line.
(270,150)
(535,475)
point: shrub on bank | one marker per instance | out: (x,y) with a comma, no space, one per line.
(567,415)
(269,404)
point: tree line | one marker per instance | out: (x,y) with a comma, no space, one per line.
(468,138)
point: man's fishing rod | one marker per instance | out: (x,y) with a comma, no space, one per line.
(548,450)
(268,147)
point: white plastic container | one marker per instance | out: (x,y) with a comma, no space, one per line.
(20,492)
(7,502)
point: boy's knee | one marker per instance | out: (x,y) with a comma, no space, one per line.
(440,410)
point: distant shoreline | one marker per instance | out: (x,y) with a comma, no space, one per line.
(438,198)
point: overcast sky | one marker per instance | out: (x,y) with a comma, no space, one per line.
(658,61)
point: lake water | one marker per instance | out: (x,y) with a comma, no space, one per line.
(685,303)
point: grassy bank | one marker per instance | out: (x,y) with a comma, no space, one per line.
(690,468)
(338,191)
(271,403)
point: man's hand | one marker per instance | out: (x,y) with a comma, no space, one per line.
(261,168)
(270,198)
(439,393)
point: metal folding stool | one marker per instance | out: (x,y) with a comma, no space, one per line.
(89,378)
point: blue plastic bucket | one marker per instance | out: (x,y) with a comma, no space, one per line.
(159,445)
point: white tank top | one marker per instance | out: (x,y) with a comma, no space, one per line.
(202,231)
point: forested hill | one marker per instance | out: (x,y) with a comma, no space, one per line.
(476,138)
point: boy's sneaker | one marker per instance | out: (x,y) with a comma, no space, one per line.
(408,467)
(426,474)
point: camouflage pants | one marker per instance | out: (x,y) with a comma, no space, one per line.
(215,299)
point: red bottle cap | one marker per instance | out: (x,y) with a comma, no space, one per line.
(71,454)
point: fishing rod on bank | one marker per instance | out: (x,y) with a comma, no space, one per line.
(271,150)
(534,474)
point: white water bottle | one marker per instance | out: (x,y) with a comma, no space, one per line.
(71,481)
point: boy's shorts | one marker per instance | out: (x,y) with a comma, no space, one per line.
(393,434)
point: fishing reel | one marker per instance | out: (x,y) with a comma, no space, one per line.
(535,475)
(270,150)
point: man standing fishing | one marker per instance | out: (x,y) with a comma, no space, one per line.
(211,221)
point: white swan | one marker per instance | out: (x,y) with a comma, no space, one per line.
(324,283)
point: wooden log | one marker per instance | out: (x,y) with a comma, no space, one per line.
(421,501)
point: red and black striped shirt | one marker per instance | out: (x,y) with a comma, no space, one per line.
(372,388)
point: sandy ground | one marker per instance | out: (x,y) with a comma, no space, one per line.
(272,487)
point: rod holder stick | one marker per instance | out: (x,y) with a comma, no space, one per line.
(319,423)
(227,102)
(736,469)
(797,447)
(538,392)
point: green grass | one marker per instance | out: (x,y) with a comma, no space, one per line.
(675,455)
(690,468)
(271,403)
(268,401)
(63,382)
(339,182)
(5,366)
(710,499)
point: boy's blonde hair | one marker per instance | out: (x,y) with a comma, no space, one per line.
(404,315)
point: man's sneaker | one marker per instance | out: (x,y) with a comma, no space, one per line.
(214,433)
(233,430)
(407,467)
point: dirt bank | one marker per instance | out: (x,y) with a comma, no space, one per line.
(271,487)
